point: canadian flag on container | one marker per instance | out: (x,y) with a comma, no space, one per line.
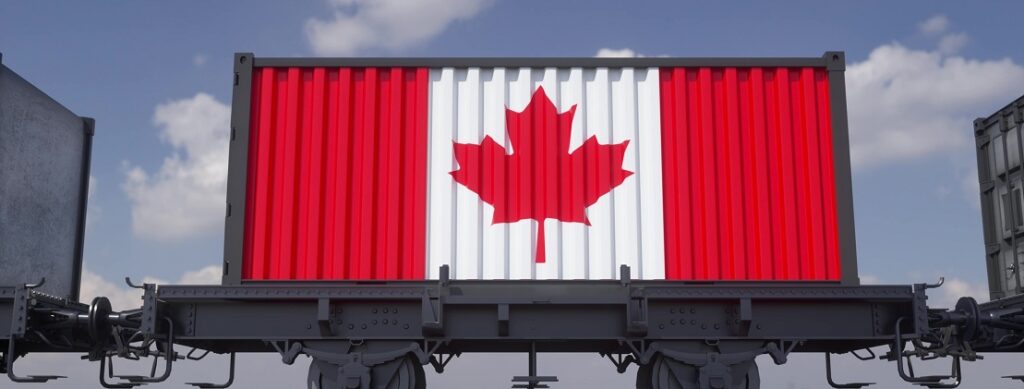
(692,173)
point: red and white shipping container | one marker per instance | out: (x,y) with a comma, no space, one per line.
(689,169)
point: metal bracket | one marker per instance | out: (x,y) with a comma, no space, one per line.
(624,275)
(323,316)
(130,381)
(149,310)
(746,316)
(532,381)
(288,352)
(231,378)
(621,361)
(636,312)
(832,383)
(1015,377)
(439,363)
(933,381)
(432,311)
(9,358)
(19,319)
(503,320)
(19,325)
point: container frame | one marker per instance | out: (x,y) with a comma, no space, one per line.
(244,63)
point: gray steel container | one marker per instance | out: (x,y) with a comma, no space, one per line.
(44,182)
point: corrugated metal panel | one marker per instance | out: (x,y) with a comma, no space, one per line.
(1000,143)
(749,174)
(625,224)
(331,149)
(704,173)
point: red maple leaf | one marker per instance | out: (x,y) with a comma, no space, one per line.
(540,179)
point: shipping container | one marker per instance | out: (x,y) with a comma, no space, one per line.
(682,169)
(999,147)
(44,181)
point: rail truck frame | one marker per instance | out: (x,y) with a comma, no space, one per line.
(381,334)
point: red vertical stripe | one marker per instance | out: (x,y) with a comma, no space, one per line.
(304,179)
(390,145)
(337,186)
(760,187)
(749,186)
(346,130)
(723,165)
(332,175)
(800,163)
(684,186)
(696,166)
(734,179)
(748,196)
(417,260)
(709,167)
(829,210)
(670,168)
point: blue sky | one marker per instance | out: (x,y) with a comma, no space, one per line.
(151,72)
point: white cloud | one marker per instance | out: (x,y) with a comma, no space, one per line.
(206,275)
(952,43)
(199,60)
(907,103)
(387,24)
(616,53)
(870,279)
(969,185)
(123,297)
(953,289)
(934,25)
(185,198)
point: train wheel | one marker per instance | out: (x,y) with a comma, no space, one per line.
(402,373)
(658,374)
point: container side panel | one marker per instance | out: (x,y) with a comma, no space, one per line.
(683,173)
(1000,145)
(45,151)
(335,151)
(557,173)
(749,182)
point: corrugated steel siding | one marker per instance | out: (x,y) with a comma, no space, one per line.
(749,174)
(612,105)
(331,149)
(1000,143)
(349,174)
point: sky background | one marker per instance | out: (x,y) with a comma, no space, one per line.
(156,76)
